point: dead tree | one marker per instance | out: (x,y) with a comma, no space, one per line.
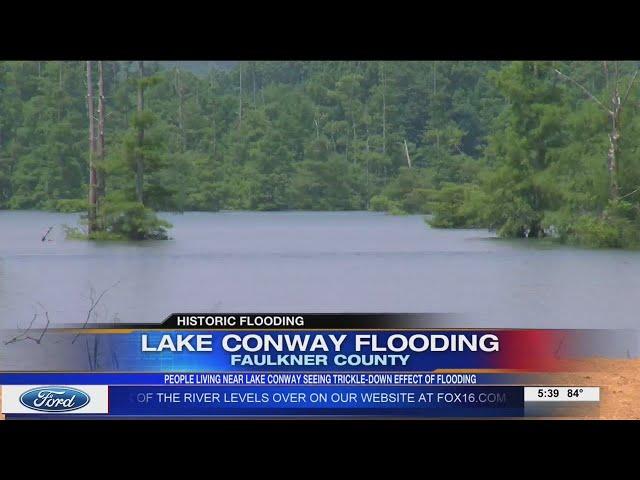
(613,113)
(180,93)
(92,151)
(213,112)
(253,76)
(140,122)
(240,101)
(384,108)
(101,149)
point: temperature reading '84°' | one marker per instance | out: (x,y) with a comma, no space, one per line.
(574,392)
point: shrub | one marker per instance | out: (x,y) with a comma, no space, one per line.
(380,203)
(456,206)
(616,227)
(132,221)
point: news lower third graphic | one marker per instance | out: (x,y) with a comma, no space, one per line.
(289,366)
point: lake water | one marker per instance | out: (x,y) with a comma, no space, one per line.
(312,262)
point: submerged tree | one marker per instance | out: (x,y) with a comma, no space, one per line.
(93,180)
(101,151)
(140,123)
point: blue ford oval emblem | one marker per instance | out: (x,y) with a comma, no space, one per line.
(54,399)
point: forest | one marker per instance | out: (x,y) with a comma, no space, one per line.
(525,148)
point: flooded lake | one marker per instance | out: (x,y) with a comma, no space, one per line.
(312,262)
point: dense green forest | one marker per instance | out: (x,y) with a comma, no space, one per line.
(529,149)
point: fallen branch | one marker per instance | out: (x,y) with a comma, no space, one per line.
(25,334)
(44,237)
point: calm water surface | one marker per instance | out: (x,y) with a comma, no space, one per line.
(312,262)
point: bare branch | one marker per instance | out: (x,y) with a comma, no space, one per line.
(24,333)
(94,304)
(581,87)
(630,193)
(626,94)
(44,237)
(46,327)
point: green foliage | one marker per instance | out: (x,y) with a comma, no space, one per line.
(409,192)
(125,219)
(71,205)
(313,135)
(602,232)
(510,146)
(380,203)
(617,227)
(457,206)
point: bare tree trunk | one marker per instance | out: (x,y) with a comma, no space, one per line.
(253,75)
(353,119)
(406,152)
(101,149)
(317,124)
(614,137)
(240,101)
(92,150)
(612,164)
(367,167)
(213,116)
(61,86)
(384,110)
(139,154)
(435,78)
(180,109)
(115,68)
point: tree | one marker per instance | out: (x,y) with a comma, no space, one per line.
(101,145)
(93,181)
(618,98)
(521,152)
(140,122)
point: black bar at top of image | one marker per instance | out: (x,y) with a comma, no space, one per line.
(291,321)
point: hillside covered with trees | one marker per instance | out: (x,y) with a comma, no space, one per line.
(529,149)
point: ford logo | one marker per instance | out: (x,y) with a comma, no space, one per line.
(54,399)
